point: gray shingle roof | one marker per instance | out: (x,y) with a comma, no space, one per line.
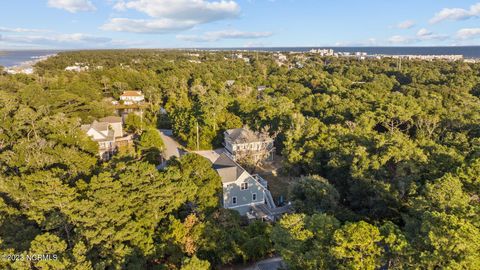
(100,127)
(243,135)
(228,169)
(111,119)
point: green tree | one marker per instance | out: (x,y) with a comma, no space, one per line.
(151,146)
(305,242)
(203,182)
(195,263)
(447,241)
(357,246)
(134,123)
(314,194)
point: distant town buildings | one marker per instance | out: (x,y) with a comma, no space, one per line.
(193,54)
(323,52)
(428,57)
(281,57)
(472,61)
(230,82)
(132,97)
(77,68)
(19,70)
(240,56)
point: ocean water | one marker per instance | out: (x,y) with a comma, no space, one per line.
(13,58)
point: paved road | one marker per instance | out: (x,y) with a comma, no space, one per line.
(172,147)
(274,263)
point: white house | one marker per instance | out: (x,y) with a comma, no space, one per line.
(76,68)
(108,133)
(281,57)
(115,123)
(261,88)
(132,97)
(101,133)
(241,141)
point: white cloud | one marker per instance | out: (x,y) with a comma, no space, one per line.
(400,39)
(21,30)
(74,40)
(421,36)
(147,26)
(406,24)
(171,15)
(424,33)
(197,10)
(224,34)
(72,6)
(456,14)
(363,43)
(468,33)
(252,44)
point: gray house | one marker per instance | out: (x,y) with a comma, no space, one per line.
(243,141)
(248,194)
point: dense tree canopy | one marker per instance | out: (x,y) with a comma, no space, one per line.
(385,161)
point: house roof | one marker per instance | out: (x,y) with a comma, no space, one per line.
(111,119)
(132,94)
(100,127)
(243,135)
(108,138)
(228,169)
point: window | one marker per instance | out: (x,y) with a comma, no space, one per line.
(254,196)
(244,186)
(234,200)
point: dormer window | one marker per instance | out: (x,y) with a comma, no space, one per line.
(244,186)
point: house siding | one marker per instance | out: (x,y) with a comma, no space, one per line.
(244,197)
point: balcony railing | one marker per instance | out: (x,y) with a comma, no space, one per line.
(260,180)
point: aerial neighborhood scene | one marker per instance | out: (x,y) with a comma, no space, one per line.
(239,135)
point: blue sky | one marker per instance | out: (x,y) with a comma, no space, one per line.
(72,24)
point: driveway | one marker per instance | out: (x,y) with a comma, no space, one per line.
(172,147)
(274,263)
(211,155)
(175,149)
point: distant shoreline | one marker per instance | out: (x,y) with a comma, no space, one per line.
(26,67)
(19,58)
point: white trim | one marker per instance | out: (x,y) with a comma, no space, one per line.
(248,204)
